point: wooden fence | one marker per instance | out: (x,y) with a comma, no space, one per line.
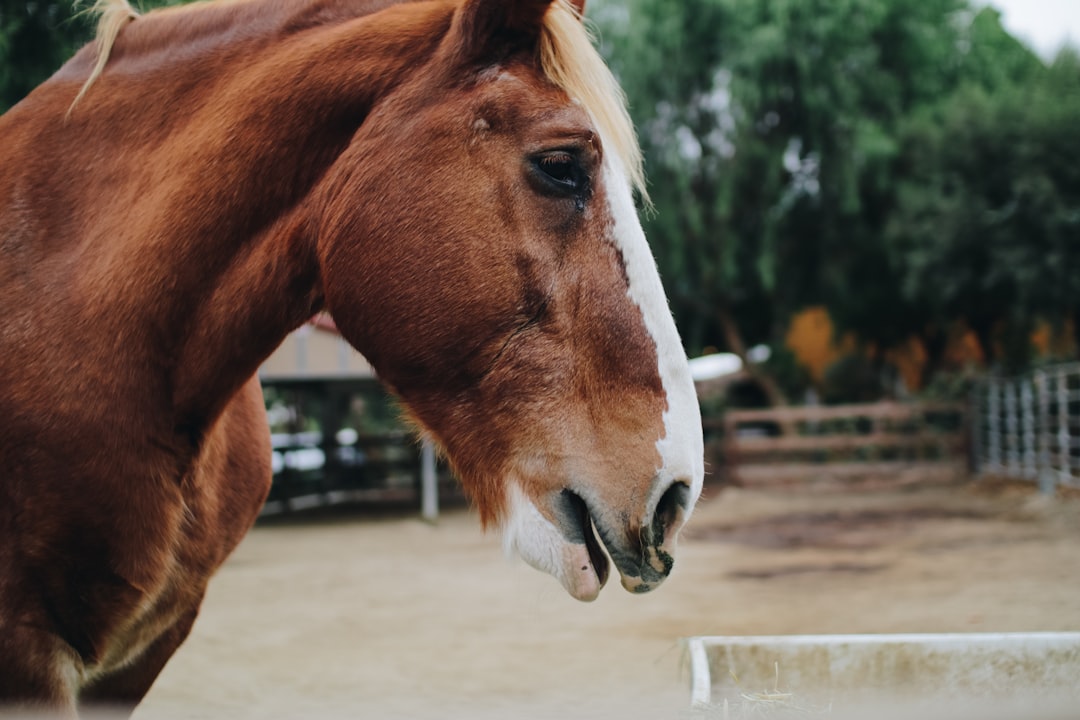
(1028,427)
(353,448)
(891,442)
(386,467)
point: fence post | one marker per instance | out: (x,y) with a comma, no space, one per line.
(1064,449)
(976,428)
(1047,480)
(994,426)
(429,486)
(1027,438)
(1012,430)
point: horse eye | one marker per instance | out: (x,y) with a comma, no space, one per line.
(561,172)
(559,167)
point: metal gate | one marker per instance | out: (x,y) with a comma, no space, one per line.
(1028,427)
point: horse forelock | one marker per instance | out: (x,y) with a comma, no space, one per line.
(569,60)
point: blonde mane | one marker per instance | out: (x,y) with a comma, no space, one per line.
(567,56)
(569,59)
(113,15)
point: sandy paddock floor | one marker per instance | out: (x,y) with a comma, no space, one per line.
(360,617)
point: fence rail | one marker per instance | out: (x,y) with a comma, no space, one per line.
(1028,427)
(869,441)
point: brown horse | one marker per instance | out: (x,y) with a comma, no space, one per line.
(450,179)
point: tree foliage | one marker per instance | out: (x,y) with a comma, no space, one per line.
(36,37)
(899,161)
(987,223)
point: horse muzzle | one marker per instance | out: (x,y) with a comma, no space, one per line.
(572,547)
(644,553)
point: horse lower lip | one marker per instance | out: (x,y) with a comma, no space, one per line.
(584,525)
(596,554)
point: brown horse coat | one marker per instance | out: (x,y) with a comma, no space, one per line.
(419,171)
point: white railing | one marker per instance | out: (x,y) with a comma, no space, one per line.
(1028,427)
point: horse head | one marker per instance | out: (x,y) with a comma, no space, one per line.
(479,243)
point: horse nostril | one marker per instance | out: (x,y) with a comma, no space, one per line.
(670,510)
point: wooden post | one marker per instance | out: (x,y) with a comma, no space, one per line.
(731,453)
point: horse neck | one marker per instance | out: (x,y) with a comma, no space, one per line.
(188,229)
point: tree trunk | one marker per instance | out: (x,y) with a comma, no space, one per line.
(735,344)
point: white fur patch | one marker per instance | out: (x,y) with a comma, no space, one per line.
(682,447)
(536,540)
(68,674)
(530,535)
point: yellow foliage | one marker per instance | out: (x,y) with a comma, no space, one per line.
(909,358)
(964,348)
(1048,343)
(810,338)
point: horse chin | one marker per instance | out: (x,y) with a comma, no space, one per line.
(581,527)
(567,549)
(585,571)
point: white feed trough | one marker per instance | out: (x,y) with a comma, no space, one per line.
(1027,676)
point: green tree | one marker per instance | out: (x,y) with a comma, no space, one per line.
(769,127)
(987,224)
(817,152)
(36,37)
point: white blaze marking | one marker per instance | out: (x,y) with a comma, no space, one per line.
(682,447)
(526,531)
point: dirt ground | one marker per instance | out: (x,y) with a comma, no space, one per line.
(350,616)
